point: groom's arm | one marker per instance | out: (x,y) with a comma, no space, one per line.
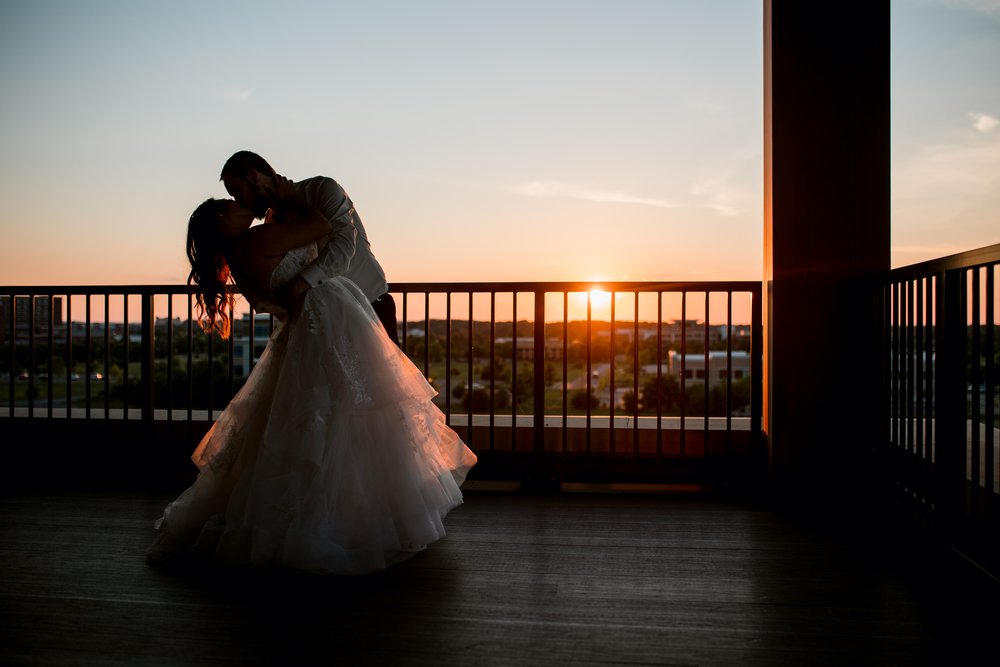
(335,257)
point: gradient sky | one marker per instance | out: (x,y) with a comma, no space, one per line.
(480,141)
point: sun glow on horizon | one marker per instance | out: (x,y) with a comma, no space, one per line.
(599,298)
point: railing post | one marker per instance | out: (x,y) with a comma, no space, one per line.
(148,355)
(949,396)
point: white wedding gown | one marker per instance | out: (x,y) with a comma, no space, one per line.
(331,459)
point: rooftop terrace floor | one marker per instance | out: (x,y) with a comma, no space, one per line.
(565,579)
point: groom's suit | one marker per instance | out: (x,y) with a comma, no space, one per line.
(347,250)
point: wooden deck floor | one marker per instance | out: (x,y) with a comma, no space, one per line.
(572,579)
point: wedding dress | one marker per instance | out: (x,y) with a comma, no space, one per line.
(331,459)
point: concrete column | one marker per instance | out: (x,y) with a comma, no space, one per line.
(826,241)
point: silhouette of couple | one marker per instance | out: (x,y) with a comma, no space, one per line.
(332,458)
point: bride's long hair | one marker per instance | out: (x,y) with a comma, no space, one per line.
(209,270)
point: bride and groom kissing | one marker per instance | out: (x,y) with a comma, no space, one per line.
(332,458)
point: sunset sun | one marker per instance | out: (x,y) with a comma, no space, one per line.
(600,298)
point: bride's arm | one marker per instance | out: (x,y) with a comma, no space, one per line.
(295,225)
(298,225)
(335,255)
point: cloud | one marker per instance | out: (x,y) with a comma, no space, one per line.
(720,194)
(984,122)
(235,94)
(575,191)
(929,250)
(709,194)
(990,8)
(957,170)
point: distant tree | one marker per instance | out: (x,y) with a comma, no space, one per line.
(501,399)
(502,370)
(694,399)
(480,399)
(415,348)
(459,345)
(579,399)
(525,384)
(666,393)
(550,375)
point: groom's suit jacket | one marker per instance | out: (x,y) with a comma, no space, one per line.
(346,251)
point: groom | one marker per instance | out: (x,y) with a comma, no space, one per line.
(249,179)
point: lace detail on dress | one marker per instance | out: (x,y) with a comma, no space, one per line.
(291,265)
(352,372)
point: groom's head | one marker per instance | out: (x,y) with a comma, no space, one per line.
(241,175)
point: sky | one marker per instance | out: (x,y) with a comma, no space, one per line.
(480,141)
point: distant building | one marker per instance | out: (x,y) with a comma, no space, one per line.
(241,344)
(718,370)
(526,349)
(43,308)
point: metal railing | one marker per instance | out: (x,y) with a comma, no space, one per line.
(647,391)
(941,345)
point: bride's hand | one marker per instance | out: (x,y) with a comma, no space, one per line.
(286,202)
(284,190)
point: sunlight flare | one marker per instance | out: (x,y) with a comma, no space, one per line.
(600,298)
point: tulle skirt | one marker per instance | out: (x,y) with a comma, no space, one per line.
(331,459)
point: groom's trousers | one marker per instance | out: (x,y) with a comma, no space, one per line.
(385,308)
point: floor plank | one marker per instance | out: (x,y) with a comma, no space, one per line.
(519,580)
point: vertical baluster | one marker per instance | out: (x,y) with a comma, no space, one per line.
(88,358)
(404,296)
(190,364)
(590,314)
(659,377)
(929,372)
(612,373)
(231,351)
(918,381)
(211,375)
(909,359)
(69,356)
(447,358)
(895,356)
(31,355)
(683,397)
(729,376)
(107,355)
(990,389)
(565,376)
(470,378)
(976,379)
(708,373)
(427,334)
(493,367)
(125,352)
(513,378)
(170,360)
(12,357)
(635,378)
(50,352)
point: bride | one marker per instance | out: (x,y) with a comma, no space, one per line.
(332,458)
